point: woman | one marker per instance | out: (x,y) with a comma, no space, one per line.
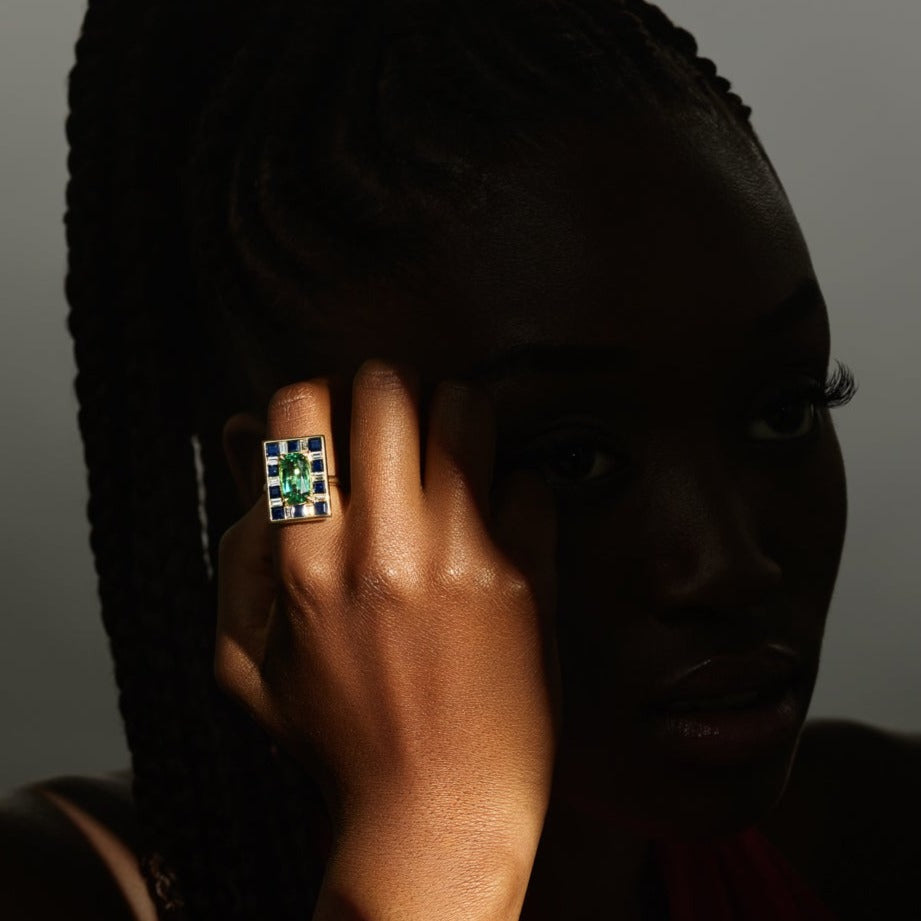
(527,269)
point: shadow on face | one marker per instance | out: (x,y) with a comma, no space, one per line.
(641,312)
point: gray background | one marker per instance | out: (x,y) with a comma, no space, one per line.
(835,92)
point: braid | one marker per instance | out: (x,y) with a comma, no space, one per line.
(717,88)
(365,135)
(209,796)
(229,162)
(683,45)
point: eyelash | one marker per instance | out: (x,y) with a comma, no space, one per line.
(839,389)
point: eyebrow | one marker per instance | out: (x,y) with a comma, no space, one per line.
(552,358)
(805,300)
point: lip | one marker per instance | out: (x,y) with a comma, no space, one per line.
(766,670)
(714,732)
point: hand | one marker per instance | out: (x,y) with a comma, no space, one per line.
(403,651)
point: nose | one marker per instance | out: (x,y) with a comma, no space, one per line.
(702,538)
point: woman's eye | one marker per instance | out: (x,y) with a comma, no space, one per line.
(793,417)
(573,461)
(794,413)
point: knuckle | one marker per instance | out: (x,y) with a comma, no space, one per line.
(457,573)
(298,602)
(378,374)
(226,670)
(314,579)
(240,678)
(306,587)
(453,394)
(393,581)
(512,585)
(451,390)
(520,593)
(302,394)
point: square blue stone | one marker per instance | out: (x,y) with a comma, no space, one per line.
(271,449)
(316,465)
(275,492)
(319,486)
(320,507)
(313,444)
(273,469)
(300,511)
(278,513)
(293,445)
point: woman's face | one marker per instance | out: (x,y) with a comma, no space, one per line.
(664,285)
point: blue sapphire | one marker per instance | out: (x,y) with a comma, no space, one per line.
(313,444)
(275,492)
(319,486)
(273,470)
(277,513)
(300,511)
(316,465)
(271,449)
(294,446)
(320,508)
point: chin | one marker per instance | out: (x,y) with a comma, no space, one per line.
(653,794)
(711,802)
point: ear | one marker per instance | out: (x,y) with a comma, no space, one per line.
(242,441)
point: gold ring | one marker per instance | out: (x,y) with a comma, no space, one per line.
(296,478)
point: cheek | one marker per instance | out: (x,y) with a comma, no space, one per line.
(799,515)
(804,529)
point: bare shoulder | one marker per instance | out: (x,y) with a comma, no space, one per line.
(67,849)
(864,744)
(850,818)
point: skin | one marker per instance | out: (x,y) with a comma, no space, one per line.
(675,242)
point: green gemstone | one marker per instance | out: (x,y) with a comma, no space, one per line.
(294,473)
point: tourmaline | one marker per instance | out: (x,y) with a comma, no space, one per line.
(294,471)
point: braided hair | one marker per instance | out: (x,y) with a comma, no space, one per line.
(227,163)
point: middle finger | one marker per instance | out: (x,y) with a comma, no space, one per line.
(385,454)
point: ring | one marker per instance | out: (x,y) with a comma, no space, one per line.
(296,478)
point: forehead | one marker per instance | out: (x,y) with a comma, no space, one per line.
(669,241)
